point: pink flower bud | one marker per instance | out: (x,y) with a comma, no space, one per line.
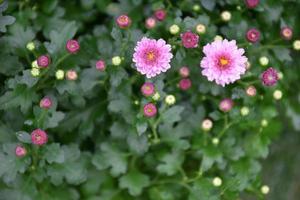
(160,14)
(72,46)
(39,137)
(269,77)
(251,3)
(286,33)
(46,103)
(185,84)
(251,91)
(253,35)
(226,105)
(100,65)
(20,151)
(150,110)
(189,39)
(71,75)
(150,22)
(148,89)
(43,61)
(184,72)
(123,21)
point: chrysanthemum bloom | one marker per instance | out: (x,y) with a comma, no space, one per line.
(189,39)
(152,57)
(207,124)
(39,137)
(251,3)
(253,35)
(226,16)
(150,110)
(174,29)
(269,77)
(43,61)
(170,99)
(185,84)
(148,89)
(20,151)
(100,65)
(251,91)
(265,189)
(217,181)
(286,33)
(184,72)
(264,61)
(123,21)
(200,28)
(296,45)
(71,75)
(46,103)
(224,62)
(72,46)
(150,22)
(160,14)
(60,74)
(277,94)
(226,105)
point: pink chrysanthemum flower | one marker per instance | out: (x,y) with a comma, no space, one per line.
(251,3)
(224,62)
(150,110)
(39,137)
(148,89)
(100,65)
(269,77)
(150,22)
(43,61)
(72,75)
(72,46)
(251,91)
(189,39)
(286,33)
(226,105)
(123,21)
(184,72)
(152,57)
(20,151)
(46,103)
(185,84)
(253,35)
(160,14)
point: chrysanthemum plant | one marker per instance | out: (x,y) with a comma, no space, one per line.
(144,99)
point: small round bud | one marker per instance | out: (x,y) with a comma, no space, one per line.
(217,181)
(251,91)
(277,94)
(174,29)
(60,74)
(218,38)
(35,72)
(20,151)
(160,14)
(207,124)
(150,22)
(184,72)
(280,75)
(34,64)
(148,89)
(43,61)
(252,3)
(136,102)
(248,65)
(196,7)
(72,46)
(116,60)
(245,111)
(71,75)
(286,33)
(170,99)
(46,103)
(215,141)
(39,137)
(226,16)
(200,28)
(264,123)
(30,46)
(185,84)
(156,96)
(238,7)
(150,110)
(296,45)
(265,189)
(123,21)
(100,65)
(253,35)
(226,105)
(264,61)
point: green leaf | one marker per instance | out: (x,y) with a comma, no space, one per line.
(134,181)
(5,20)
(208,4)
(23,137)
(171,163)
(172,114)
(54,153)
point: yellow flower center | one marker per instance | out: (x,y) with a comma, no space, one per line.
(150,56)
(223,61)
